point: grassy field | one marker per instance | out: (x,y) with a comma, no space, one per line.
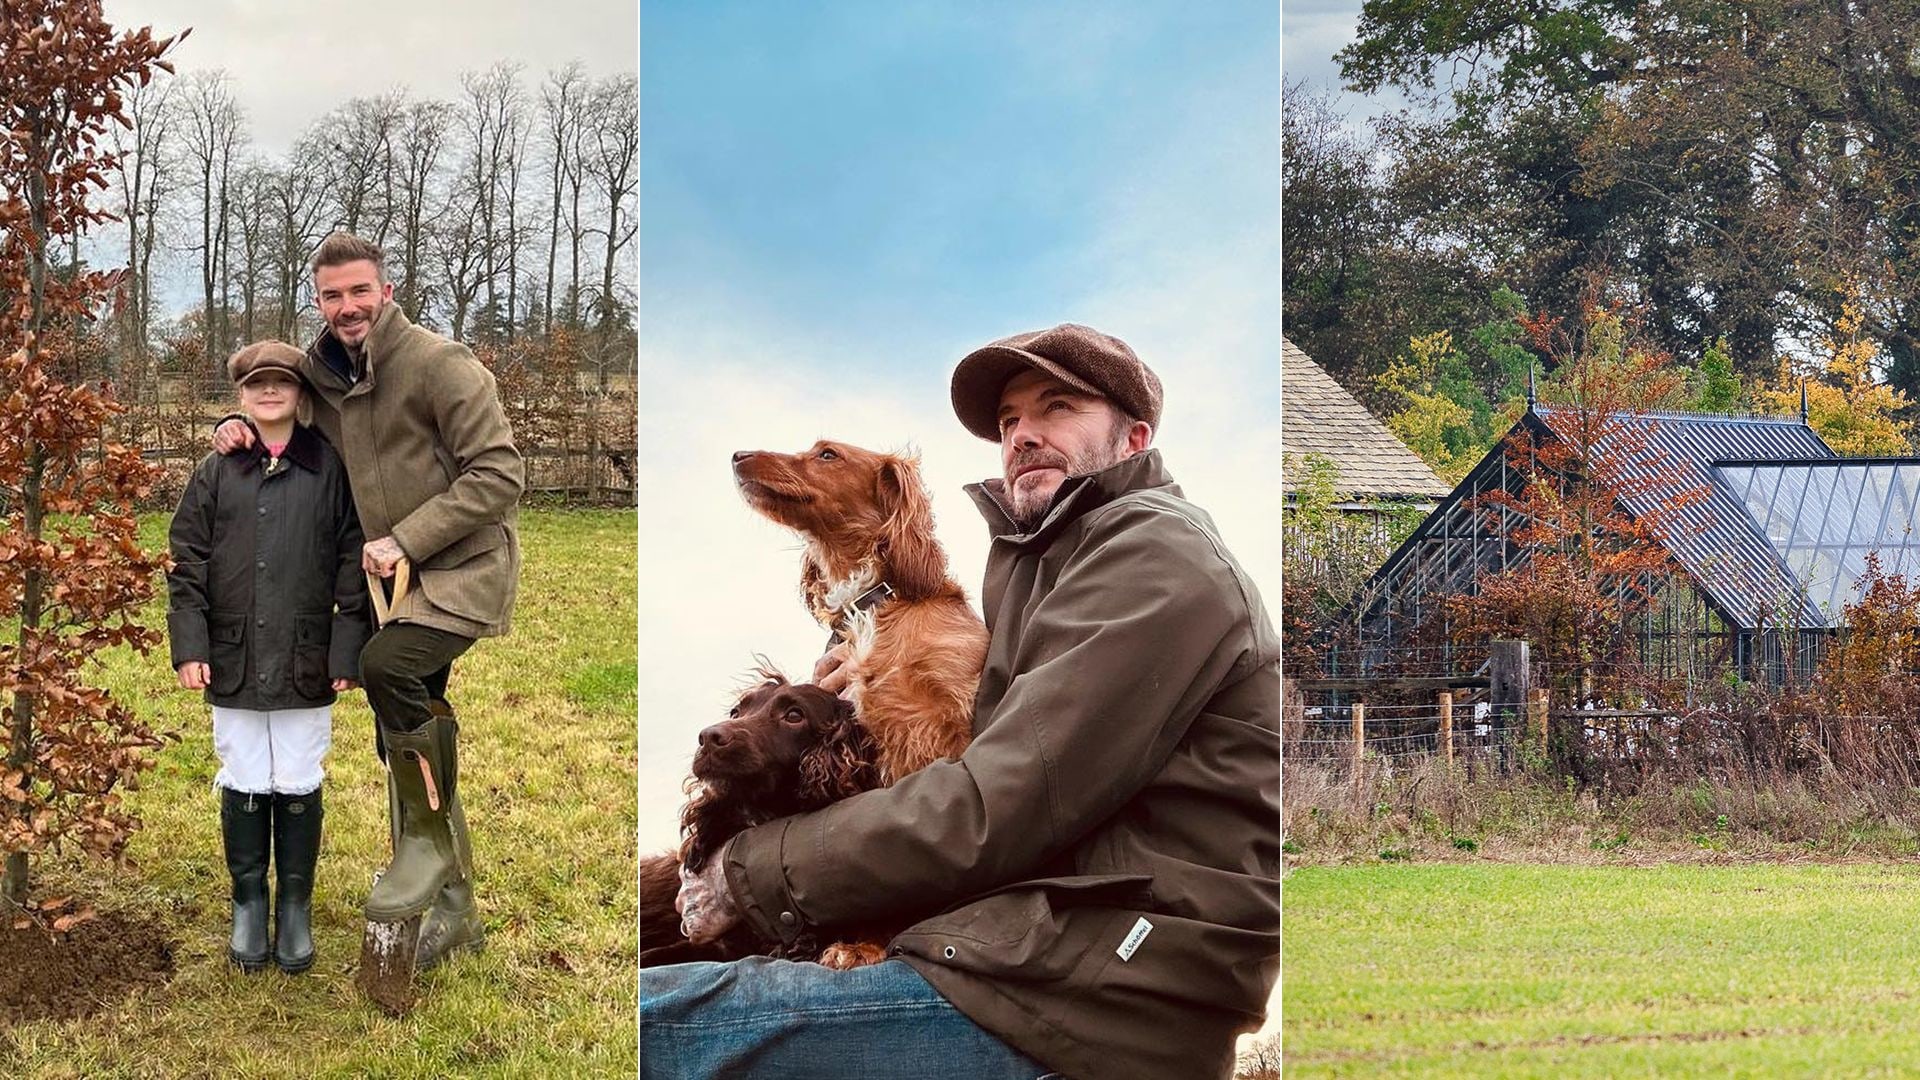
(547,768)
(1772,969)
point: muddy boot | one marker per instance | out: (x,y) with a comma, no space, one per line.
(296,849)
(246,828)
(432,862)
(454,920)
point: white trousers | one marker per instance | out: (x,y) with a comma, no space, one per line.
(277,751)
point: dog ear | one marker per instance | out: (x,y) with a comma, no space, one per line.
(915,564)
(813,582)
(844,762)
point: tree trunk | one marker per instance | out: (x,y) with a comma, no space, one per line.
(14,879)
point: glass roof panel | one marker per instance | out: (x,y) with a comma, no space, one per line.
(1823,518)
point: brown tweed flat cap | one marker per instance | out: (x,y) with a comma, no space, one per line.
(1080,356)
(264,356)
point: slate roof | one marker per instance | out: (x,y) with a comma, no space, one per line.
(1715,539)
(1318,416)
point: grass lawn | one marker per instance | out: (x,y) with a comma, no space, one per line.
(1773,969)
(547,772)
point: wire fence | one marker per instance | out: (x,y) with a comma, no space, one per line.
(1359,732)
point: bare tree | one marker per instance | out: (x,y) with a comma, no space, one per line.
(613,164)
(299,199)
(142,182)
(422,137)
(462,251)
(359,137)
(563,102)
(253,222)
(215,131)
(493,118)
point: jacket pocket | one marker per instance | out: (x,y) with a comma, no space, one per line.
(226,652)
(310,638)
(1031,930)
(473,577)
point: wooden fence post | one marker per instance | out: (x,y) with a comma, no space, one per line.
(1446,727)
(1508,686)
(1359,710)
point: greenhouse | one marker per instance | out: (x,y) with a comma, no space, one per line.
(1770,529)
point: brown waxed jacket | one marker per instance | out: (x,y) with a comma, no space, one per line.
(432,464)
(1121,796)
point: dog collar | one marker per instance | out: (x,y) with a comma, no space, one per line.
(861,604)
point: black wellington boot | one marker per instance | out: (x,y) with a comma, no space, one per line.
(296,849)
(246,827)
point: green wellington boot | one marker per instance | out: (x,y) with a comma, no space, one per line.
(431,871)
(246,828)
(296,850)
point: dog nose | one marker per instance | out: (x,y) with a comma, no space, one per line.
(742,455)
(714,737)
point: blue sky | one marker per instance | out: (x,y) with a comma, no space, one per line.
(838,201)
(899,182)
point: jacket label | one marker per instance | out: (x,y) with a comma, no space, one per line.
(1134,937)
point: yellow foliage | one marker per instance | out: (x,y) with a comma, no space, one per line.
(1428,417)
(1849,409)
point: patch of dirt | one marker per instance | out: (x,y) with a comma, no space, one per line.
(62,976)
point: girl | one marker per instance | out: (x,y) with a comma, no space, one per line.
(267,614)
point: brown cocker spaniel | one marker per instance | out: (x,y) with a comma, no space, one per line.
(784,748)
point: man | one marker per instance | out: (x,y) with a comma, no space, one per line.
(1097,877)
(436,481)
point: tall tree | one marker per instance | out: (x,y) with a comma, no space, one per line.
(493,119)
(423,137)
(299,199)
(614,165)
(563,103)
(213,136)
(144,150)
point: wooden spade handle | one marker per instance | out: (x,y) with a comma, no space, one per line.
(382,607)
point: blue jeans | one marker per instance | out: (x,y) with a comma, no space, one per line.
(761,1017)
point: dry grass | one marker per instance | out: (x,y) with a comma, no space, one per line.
(1421,811)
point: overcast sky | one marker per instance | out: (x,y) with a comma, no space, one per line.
(292,63)
(1311,32)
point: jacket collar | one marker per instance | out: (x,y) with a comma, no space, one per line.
(332,359)
(1076,496)
(303,449)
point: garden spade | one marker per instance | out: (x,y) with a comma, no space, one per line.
(387,948)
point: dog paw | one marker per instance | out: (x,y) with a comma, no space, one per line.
(844,956)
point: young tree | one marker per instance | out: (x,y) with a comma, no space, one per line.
(1588,565)
(71,571)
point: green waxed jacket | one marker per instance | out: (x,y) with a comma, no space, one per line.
(432,464)
(1098,874)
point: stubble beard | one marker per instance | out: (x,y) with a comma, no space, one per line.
(1028,506)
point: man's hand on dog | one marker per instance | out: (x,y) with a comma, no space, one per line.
(705,904)
(830,671)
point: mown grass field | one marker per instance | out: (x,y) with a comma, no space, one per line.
(1476,969)
(547,772)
